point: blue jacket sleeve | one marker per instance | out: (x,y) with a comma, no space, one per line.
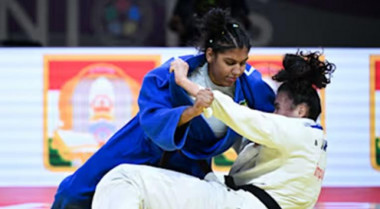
(259,94)
(158,117)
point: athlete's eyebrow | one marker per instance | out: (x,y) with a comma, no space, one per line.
(245,60)
(234,60)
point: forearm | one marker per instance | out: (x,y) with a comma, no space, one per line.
(188,114)
(254,125)
(189,86)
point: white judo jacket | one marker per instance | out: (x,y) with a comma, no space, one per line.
(292,154)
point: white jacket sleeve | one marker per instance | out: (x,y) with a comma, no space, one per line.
(257,126)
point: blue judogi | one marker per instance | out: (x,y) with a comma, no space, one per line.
(154,130)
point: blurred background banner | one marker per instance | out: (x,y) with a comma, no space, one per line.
(286,23)
(87,98)
(59,105)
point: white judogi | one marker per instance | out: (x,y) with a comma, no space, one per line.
(292,159)
(130,186)
(289,166)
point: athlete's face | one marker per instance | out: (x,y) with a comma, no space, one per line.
(284,106)
(225,68)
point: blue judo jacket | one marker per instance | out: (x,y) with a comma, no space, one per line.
(154,130)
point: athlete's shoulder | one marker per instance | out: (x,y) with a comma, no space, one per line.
(255,80)
(252,73)
(163,69)
(160,76)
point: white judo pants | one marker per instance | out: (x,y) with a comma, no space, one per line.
(143,187)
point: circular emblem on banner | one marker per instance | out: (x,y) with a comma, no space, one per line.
(122,22)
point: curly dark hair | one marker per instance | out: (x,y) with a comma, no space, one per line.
(219,31)
(302,75)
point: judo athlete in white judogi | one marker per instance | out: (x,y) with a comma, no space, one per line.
(284,154)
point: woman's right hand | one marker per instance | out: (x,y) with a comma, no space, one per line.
(180,69)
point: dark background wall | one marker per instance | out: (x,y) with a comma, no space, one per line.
(331,23)
(292,23)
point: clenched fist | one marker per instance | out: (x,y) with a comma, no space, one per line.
(203,99)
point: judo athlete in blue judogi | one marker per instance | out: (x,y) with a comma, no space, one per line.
(169,130)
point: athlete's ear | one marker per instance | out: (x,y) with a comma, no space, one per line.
(209,54)
(303,110)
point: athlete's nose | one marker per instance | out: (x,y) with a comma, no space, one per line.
(236,72)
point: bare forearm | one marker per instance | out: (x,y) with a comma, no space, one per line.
(188,114)
(189,86)
(195,110)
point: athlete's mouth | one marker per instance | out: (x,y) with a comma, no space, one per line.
(232,79)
